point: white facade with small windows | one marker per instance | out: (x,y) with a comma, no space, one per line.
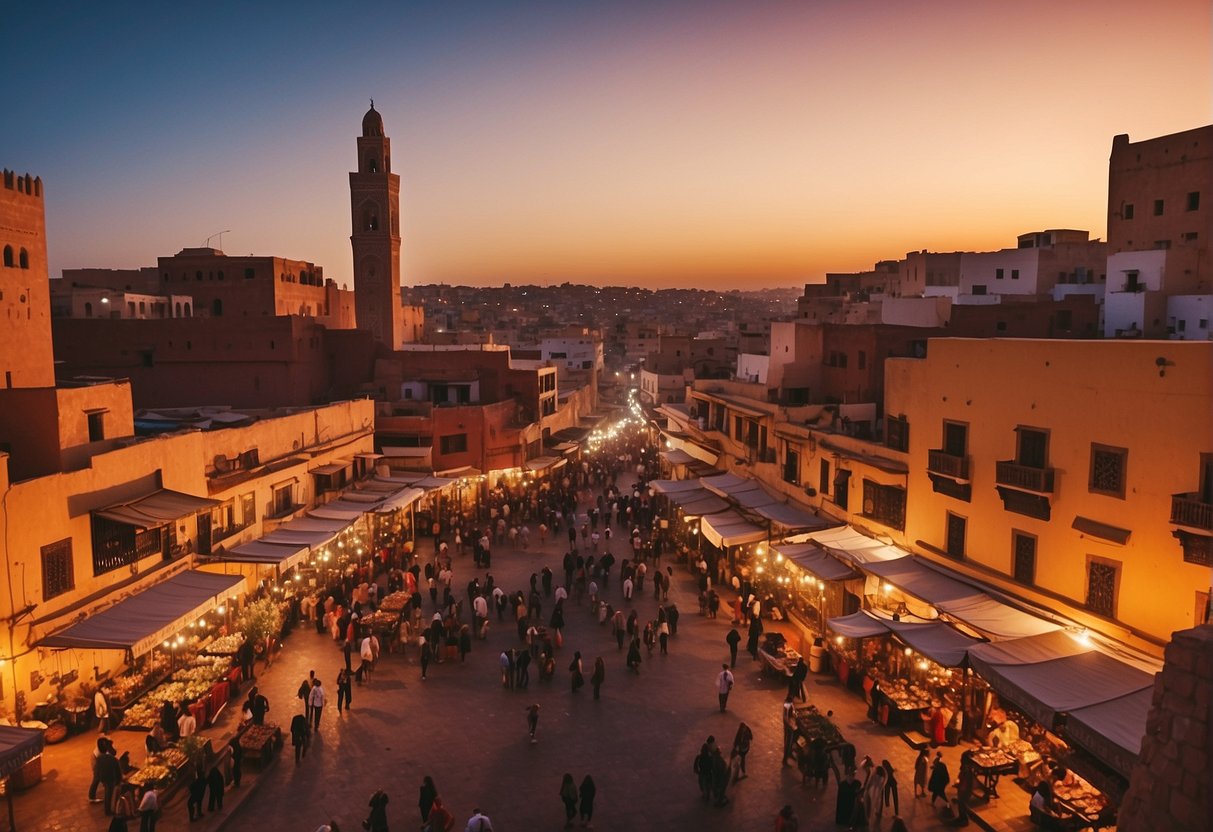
(573,353)
(1188,317)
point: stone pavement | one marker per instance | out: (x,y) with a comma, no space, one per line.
(459,726)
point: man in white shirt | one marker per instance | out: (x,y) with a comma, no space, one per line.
(478,822)
(561,594)
(315,701)
(186,724)
(724,684)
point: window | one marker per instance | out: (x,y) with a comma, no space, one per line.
(897,433)
(57,573)
(738,428)
(823,478)
(1190,236)
(283,499)
(1015,274)
(1033,448)
(884,503)
(1102,576)
(96,426)
(23,259)
(1023,557)
(1158,207)
(455,443)
(1108,470)
(1127,211)
(249,274)
(1203,614)
(1194,201)
(955,543)
(979,290)
(998,274)
(8,256)
(955,439)
(791,466)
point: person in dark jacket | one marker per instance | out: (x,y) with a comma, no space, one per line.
(197,793)
(109,772)
(429,793)
(377,820)
(938,784)
(299,732)
(214,781)
(733,639)
(587,792)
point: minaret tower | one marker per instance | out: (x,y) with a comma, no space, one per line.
(375,214)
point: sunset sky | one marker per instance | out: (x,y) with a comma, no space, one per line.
(715,144)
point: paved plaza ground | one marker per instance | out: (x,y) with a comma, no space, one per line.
(463,729)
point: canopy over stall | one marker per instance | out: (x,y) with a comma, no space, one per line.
(678,457)
(669,487)
(267,554)
(1056,673)
(846,543)
(936,640)
(401,499)
(810,558)
(728,528)
(143,620)
(17,747)
(341,509)
(1113,730)
(790,517)
(994,619)
(157,509)
(306,531)
(862,624)
(921,581)
(543,463)
(698,502)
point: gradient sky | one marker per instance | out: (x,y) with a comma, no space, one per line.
(714,144)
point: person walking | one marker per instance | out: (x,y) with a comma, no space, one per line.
(149,808)
(755,635)
(376,821)
(299,732)
(568,795)
(478,822)
(890,786)
(634,656)
(920,773)
(441,820)
(109,774)
(588,792)
(724,684)
(214,781)
(316,701)
(345,689)
(599,676)
(423,655)
(741,745)
(101,707)
(532,720)
(733,639)
(197,791)
(425,802)
(663,637)
(938,784)
(575,670)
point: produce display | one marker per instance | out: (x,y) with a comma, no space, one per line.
(224,645)
(394,602)
(908,697)
(173,758)
(990,758)
(811,725)
(380,619)
(150,773)
(204,669)
(146,712)
(127,687)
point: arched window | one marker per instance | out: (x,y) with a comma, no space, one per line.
(187,310)
(370,217)
(142,309)
(178,310)
(130,308)
(23,259)
(38,186)
(88,310)
(198,275)
(8,256)
(217,308)
(221,274)
(372,164)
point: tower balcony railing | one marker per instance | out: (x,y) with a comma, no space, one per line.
(1190,510)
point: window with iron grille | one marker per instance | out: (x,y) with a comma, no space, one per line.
(1023,554)
(957,526)
(1108,470)
(57,574)
(885,504)
(1101,588)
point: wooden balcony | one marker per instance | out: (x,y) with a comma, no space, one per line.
(1188,510)
(942,462)
(1023,477)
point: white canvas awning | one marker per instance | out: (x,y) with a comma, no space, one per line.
(915,578)
(157,509)
(677,457)
(267,554)
(144,620)
(668,487)
(994,619)
(845,542)
(401,499)
(542,463)
(341,509)
(791,517)
(730,529)
(812,559)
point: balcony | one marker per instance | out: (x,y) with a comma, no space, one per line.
(942,462)
(1188,510)
(1024,477)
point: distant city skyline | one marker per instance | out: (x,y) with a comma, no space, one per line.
(706,144)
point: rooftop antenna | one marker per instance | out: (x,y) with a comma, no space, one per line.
(207,243)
